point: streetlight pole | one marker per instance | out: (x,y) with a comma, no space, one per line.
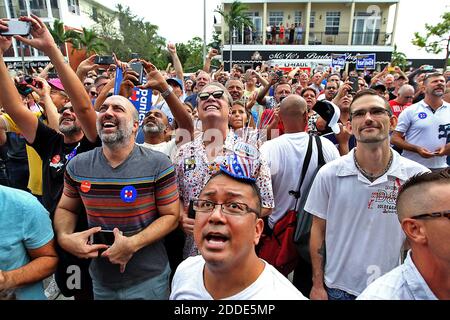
(204,30)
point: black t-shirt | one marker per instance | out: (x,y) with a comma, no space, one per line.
(55,155)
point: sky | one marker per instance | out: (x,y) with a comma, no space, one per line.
(181,20)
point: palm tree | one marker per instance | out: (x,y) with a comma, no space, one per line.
(60,35)
(235,18)
(87,40)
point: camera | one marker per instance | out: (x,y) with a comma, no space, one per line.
(104,60)
(191,211)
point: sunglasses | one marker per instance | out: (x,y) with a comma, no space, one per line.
(205,95)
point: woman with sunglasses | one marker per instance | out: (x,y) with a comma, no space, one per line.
(199,159)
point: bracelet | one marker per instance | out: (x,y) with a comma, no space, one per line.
(167,92)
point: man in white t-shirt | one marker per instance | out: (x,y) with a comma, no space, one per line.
(353,203)
(227,228)
(285,156)
(423,129)
(156,125)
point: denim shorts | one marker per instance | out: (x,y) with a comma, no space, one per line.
(156,288)
(337,294)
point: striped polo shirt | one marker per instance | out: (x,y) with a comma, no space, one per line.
(126,197)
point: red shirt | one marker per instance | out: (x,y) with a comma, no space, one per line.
(397,108)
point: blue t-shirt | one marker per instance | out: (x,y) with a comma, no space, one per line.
(24,224)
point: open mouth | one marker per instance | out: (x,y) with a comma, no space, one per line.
(211,108)
(66,120)
(109,125)
(216,238)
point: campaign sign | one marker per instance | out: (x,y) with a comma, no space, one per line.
(338,60)
(365,61)
(141,99)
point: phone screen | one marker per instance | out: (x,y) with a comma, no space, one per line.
(103,237)
(355,85)
(139,69)
(16,27)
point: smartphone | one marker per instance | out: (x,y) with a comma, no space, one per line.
(279,73)
(191,211)
(103,237)
(355,85)
(135,56)
(139,69)
(428,68)
(104,60)
(16,27)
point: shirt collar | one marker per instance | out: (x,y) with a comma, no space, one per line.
(348,168)
(418,287)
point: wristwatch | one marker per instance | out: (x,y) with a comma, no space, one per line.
(166,93)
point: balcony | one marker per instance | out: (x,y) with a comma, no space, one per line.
(315,38)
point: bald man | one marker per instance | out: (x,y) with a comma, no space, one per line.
(404,99)
(285,156)
(130,196)
(424,213)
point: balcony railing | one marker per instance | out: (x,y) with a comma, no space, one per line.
(315,38)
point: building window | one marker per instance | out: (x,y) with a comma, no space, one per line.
(94,14)
(298,17)
(312,19)
(332,22)
(74,6)
(276,17)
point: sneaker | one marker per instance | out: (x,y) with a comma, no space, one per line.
(52,291)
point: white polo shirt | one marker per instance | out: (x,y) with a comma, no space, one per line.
(423,127)
(363,236)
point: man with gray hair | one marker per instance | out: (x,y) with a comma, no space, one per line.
(404,99)
(423,129)
(129,192)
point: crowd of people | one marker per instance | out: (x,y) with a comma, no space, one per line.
(179,206)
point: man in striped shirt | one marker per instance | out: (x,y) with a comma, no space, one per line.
(130,191)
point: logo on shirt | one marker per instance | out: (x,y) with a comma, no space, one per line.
(56,163)
(128,194)
(423,115)
(85,186)
(56,159)
(189,164)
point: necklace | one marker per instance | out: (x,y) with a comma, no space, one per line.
(370,176)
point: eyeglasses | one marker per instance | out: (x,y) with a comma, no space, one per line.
(445,214)
(216,94)
(228,208)
(374,112)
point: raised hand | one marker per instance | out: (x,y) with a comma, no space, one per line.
(42,39)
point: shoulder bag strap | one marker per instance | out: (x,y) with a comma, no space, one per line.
(296,193)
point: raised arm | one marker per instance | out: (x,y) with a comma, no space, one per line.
(43,90)
(212,53)
(176,61)
(10,99)
(43,41)
(157,82)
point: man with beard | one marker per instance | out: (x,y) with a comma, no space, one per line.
(423,129)
(352,200)
(128,190)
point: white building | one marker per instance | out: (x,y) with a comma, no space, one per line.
(75,14)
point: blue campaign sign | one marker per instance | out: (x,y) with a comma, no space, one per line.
(338,60)
(141,99)
(365,61)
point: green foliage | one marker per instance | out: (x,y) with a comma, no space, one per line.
(236,17)
(399,59)
(133,35)
(437,37)
(88,41)
(191,54)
